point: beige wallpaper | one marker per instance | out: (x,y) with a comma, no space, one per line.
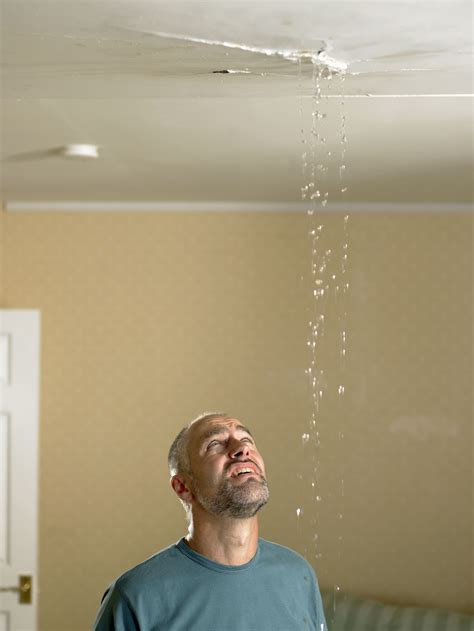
(148,319)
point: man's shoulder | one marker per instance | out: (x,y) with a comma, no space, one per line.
(159,564)
(277,552)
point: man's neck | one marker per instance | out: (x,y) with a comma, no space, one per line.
(224,540)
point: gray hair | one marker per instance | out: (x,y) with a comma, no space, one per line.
(178,456)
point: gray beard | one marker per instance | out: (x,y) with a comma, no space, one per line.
(240,502)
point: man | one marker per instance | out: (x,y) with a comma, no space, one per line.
(221,576)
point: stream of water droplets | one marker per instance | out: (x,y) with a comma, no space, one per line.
(328,234)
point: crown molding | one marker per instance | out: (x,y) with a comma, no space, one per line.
(233,207)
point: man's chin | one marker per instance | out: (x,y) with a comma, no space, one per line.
(245,511)
(240,500)
(253,500)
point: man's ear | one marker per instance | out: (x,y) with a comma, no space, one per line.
(180,487)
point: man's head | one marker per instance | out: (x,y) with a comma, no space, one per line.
(215,467)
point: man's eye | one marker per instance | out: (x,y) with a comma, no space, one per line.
(249,440)
(213,442)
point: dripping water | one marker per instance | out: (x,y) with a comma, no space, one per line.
(315,193)
(343,335)
(327,340)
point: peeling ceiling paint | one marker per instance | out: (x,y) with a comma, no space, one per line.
(206,100)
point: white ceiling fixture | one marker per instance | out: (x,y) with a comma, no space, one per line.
(80,152)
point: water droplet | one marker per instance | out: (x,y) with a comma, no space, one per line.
(299,512)
(318,498)
(343,190)
(341,390)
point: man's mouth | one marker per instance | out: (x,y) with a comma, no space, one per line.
(243,471)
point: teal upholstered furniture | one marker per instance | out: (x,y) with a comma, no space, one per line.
(351,613)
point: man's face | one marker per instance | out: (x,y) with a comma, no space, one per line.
(228,473)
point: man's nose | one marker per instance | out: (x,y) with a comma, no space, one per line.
(239,450)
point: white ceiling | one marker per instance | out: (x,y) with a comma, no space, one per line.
(133,78)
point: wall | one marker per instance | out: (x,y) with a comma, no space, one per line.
(149,319)
(2,253)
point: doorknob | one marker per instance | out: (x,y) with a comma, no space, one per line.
(25,582)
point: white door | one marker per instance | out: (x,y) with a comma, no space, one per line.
(19,404)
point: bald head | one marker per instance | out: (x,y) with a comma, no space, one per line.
(178,455)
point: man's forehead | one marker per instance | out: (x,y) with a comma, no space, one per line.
(202,429)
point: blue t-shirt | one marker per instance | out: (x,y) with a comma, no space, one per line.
(178,589)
